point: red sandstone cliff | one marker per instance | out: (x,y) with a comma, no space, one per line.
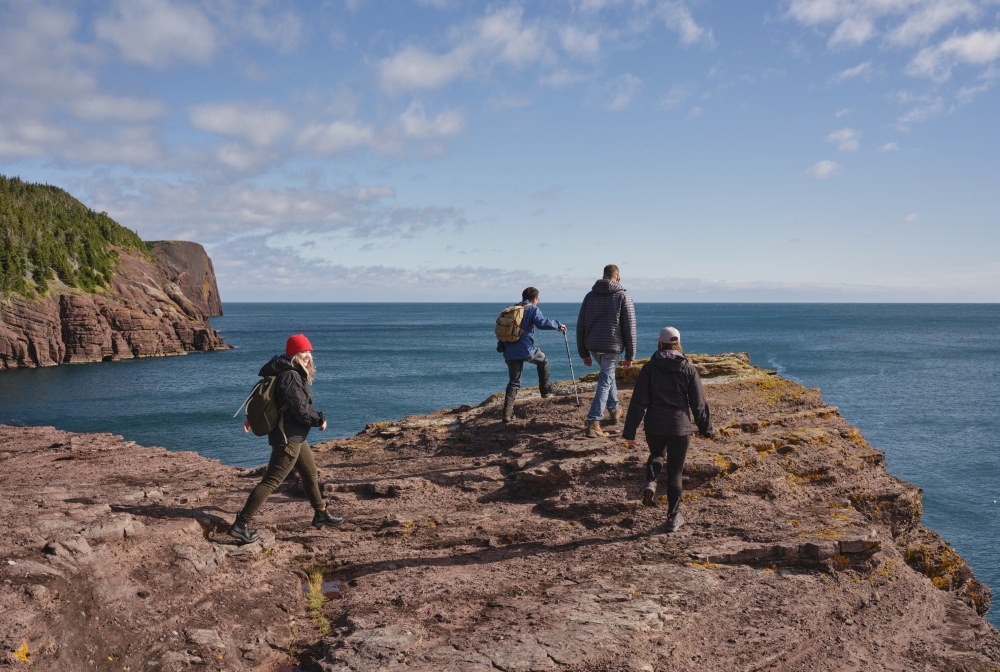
(188,267)
(152,309)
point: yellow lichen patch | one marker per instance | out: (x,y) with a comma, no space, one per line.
(940,565)
(704,565)
(853,434)
(775,391)
(729,431)
(813,436)
(888,569)
(22,652)
(841,560)
(795,523)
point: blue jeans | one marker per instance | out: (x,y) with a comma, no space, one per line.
(607,389)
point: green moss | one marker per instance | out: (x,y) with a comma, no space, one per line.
(48,234)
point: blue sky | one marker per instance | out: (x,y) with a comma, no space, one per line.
(805,150)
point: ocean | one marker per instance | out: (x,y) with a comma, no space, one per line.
(921,381)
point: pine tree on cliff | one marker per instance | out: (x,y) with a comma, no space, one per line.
(48,234)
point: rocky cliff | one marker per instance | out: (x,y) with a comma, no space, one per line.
(141,314)
(474,545)
(187,266)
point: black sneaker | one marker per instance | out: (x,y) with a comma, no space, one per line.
(323,517)
(240,532)
(648,494)
(674,522)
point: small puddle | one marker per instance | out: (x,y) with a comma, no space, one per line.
(330,588)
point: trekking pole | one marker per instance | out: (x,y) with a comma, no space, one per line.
(576,391)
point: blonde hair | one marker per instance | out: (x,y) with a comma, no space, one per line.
(304,361)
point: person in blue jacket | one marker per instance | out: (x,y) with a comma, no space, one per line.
(524,350)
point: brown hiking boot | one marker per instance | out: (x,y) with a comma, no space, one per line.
(594,430)
(616,416)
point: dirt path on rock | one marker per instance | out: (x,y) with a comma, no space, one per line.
(473,545)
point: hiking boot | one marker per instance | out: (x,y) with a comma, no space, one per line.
(616,416)
(323,517)
(240,532)
(545,390)
(508,410)
(594,430)
(648,494)
(674,522)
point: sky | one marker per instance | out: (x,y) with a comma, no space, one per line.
(440,150)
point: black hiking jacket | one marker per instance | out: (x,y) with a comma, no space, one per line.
(292,389)
(667,386)
(606,322)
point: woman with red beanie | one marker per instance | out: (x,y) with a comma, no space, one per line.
(295,371)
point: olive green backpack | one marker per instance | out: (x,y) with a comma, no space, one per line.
(263,413)
(508,327)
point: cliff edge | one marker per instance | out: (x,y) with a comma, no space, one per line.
(75,286)
(474,545)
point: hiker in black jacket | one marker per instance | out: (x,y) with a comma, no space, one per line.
(667,386)
(295,371)
(605,328)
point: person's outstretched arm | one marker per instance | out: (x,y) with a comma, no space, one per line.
(543,322)
(640,402)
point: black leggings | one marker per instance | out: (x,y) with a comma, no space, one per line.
(674,449)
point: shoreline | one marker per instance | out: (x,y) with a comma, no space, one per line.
(473,545)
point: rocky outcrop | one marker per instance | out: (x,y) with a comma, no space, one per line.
(143,314)
(188,266)
(476,545)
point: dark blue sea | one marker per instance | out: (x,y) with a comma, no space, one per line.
(921,381)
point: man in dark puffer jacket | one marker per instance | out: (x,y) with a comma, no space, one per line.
(605,328)
(289,450)
(667,386)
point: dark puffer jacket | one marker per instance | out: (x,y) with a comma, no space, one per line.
(667,386)
(606,322)
(292,389)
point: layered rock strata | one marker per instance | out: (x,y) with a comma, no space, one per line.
(143,314)
(474,545)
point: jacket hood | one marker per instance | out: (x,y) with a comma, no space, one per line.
(605,286)
(278,364)
(668,360)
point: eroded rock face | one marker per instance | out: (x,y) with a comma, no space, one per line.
(474,545)
(187,265)
(144,314)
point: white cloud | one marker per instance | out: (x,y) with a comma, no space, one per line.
(846,139)
(694,113)
(841,113)
(823,170)
(863,70)
(563,77)
(102,107)
(580,44)
(904,22)
(157,32)
(20,139)
(677,17)
(920,113)
(909,219)
(257,123)
(889,147)
(416,124)
(335,137)
(137,145)
(499,37)
(255,20)
(676,96)
(624,88)
(980,47)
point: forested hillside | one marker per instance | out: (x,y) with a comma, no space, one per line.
(46,233)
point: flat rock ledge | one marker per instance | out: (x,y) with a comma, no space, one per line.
(474,545)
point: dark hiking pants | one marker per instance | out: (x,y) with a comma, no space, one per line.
(516,366)
(673,451)
(283,460)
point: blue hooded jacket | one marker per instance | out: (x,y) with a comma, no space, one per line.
(524,347)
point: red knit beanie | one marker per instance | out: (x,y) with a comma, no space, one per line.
(296,344)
